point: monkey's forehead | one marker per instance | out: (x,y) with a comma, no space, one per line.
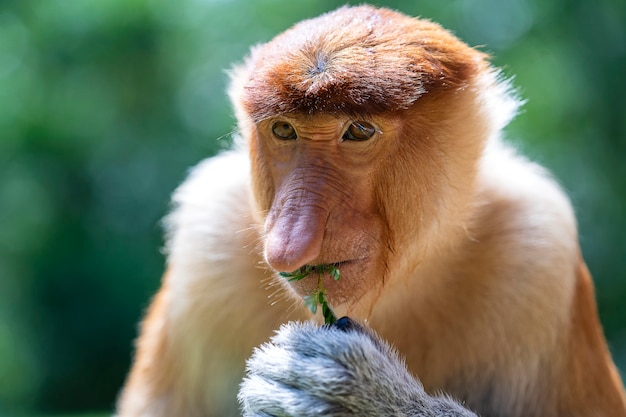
(355,60)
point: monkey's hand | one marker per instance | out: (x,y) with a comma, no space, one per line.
(337,370)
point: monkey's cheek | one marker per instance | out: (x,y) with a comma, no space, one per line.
(360,281)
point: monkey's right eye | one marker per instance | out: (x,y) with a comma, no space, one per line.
(359,131)
(284,131)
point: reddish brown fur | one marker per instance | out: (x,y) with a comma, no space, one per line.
(455,250)
(587,362)
(373,61)
(153,348)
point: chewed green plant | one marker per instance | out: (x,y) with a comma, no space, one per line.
(319,295)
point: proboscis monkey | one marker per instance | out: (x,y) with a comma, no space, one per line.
(371,141)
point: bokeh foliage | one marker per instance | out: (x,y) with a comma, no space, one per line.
(104,104)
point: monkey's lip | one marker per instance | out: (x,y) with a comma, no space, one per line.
(323,265)
(318,268)
(338,264)
(348,285)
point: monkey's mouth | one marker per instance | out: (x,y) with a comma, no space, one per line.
(333,269)
(343,281)
(335,265)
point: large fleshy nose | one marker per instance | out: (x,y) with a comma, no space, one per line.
(294,236)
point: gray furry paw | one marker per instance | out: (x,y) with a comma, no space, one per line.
(338,370)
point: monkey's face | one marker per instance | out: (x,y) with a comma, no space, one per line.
(314,177)
(347,190)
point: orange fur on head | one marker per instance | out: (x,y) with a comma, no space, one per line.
(372,61)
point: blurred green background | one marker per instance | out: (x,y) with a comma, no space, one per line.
(104,104)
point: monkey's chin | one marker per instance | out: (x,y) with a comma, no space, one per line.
(359,282)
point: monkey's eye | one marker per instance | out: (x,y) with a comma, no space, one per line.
(359,131)
(284,131)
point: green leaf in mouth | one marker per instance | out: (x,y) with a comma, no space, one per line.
(319,295)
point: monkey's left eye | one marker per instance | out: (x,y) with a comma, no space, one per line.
(359,131)
(284,131)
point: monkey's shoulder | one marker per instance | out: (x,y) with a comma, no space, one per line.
(524,219)
(211,215)
(520,197)
(212,246)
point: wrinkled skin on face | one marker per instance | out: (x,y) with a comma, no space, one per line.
(369,207)
(323,209)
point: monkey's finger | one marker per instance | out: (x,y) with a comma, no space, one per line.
(261,397)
